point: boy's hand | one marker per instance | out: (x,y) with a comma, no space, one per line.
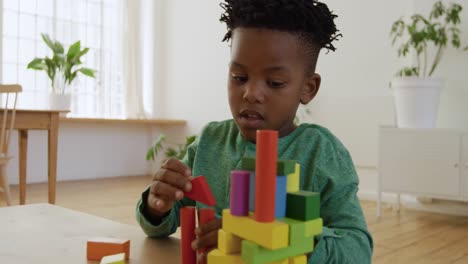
(169,184)
(207,238)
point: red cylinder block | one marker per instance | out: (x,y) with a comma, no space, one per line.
(265,175)
(187,225)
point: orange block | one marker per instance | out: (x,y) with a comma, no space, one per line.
(99,247)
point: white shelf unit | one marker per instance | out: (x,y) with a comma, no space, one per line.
(426,162)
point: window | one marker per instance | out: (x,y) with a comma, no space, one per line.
(97,23)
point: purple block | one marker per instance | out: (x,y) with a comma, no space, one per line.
(239,200)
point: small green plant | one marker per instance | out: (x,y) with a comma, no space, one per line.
(419,34)
(160,145)
(62,67)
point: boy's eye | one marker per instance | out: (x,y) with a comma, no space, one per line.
(276,84)
(239,78)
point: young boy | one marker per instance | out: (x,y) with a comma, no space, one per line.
(274,49)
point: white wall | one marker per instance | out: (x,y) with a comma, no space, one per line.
(86,151)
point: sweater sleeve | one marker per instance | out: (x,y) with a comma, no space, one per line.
(171,221)
(345,238)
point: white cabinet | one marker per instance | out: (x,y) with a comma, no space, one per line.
(464,167)
(426,162)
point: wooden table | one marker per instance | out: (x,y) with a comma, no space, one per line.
(37,120)
(49,234)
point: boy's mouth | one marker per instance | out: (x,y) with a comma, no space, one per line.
(251,119)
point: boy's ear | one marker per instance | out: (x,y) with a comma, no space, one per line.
(311,87)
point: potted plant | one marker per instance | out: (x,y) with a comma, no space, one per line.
(62,69)
(416,91)
(161,144)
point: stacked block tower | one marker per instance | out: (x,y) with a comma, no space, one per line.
(269,220)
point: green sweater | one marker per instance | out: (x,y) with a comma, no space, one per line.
(326,167)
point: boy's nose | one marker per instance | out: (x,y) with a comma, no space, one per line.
(253,93)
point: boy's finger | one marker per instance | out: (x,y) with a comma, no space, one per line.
(173,178)
(212,225)
(178,166)
(166,191)
(208,240)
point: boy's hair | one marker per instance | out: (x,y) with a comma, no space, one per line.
(310,20)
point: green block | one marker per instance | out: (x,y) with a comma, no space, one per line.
(254,254)
(303,205)
(313,227)
(283,167)
(297,230)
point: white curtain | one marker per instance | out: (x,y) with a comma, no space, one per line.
(138,58)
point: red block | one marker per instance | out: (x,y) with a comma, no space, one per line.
(201,191)
(265,175)
(187,224)
(205,215)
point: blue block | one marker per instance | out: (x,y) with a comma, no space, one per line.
(252,192)
(280,197)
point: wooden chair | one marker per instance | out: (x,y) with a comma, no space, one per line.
(8,111)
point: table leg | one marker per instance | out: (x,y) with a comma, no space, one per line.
(52,157)
(23,154)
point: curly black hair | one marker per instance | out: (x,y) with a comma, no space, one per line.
(310,20)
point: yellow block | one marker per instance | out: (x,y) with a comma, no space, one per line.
(228,243)
(114,259)
(302,259)
(216,256)
(292,184)
(313,227)
(274,235)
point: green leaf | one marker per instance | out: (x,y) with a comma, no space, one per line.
(88,72)
(37,64)
(74,50)
(154,150)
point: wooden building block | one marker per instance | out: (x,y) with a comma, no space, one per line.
(313,227)
(187,226)
(265,175)
(271,235)
(97,248)
(303,205)
(280,197)
(239,192)
(217,257)
(302,230)
(201,191)
(228,243)
(294,179)
(205,215)
(283,167)
(301,259)
(114,259)
(252,192)
(297,231)
(254,254)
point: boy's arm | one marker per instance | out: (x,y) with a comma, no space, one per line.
(345,238)
(168,224)
(164,226)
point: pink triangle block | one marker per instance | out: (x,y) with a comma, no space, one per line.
(201,191)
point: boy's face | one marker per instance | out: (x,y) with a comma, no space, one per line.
(268,80)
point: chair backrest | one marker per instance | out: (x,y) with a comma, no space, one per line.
(8,111)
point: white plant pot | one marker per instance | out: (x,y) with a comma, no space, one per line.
(416,101)
(60,101)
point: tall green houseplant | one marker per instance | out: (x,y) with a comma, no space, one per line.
(419,34)
(63,67)
(425,39)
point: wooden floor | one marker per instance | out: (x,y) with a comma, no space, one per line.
(407,237)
